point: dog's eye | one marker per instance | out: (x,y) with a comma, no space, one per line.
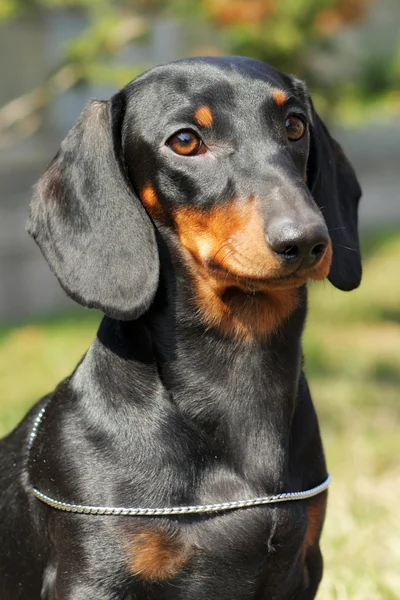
(186,143)
(295,128)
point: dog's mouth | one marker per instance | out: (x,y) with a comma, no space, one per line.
(254,283)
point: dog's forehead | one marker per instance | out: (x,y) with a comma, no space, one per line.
(231,82)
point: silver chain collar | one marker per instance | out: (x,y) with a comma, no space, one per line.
(168,511)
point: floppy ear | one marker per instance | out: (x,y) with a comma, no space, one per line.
(90,225)
(335,189)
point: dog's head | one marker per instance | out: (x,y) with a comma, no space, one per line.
(226,153)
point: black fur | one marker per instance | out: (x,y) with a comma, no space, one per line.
(165,409)
(89,224)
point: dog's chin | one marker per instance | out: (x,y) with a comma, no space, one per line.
(257,281)
(251,284)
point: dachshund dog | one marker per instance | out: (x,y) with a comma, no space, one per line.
(191,209)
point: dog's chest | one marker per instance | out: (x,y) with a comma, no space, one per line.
(239,545)
(249,547)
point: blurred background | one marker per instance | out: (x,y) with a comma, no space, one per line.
(55,55)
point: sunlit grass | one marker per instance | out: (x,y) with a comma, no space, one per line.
(352,348)
(35,357)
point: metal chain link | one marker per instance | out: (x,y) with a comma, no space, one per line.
(168,511)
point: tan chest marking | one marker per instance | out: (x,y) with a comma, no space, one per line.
(157,556)
(315,520)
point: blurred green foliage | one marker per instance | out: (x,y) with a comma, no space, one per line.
(288,34)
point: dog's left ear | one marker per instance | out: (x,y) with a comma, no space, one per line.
(335,189)
(90,224)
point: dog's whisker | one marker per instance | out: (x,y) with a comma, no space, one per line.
(347,248)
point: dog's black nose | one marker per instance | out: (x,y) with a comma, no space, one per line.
(295,244)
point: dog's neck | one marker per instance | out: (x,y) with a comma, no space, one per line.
(240,395)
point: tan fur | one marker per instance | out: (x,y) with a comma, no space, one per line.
(156,556)
(321,270)
(315,519)
(279,97)
(237,292)
(203,116)
(151,202)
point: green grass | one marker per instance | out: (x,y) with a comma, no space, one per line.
(352,347)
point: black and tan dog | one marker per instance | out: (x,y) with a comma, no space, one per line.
(191,209)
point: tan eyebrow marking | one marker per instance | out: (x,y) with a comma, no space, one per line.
(279,97)
(203,116)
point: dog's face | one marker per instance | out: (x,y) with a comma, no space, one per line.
(220,154)
(226,154)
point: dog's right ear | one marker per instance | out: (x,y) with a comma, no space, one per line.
(89,223)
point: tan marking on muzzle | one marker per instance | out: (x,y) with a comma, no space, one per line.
(233,269)
(321,270)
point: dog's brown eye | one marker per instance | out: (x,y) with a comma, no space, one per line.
(295,128)
(186,143)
